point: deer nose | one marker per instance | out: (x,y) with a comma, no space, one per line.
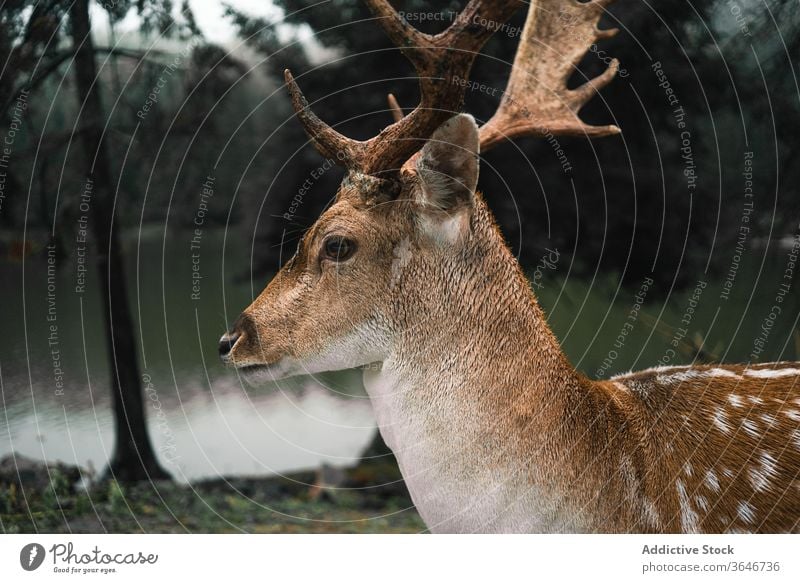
(226,343)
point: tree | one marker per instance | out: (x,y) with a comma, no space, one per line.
(35,44)
(133,458)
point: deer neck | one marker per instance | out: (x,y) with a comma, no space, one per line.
(473,377)
(474,325)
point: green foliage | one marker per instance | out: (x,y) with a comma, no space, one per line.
(8,498)
(270,505)
(57,490)
(181,130)
(116,496)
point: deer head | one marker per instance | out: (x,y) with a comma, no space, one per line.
(407,224)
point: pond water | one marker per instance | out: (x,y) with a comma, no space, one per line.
(54,377)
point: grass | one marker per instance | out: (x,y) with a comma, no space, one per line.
(372,501)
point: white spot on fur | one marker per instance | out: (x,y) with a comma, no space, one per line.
(755,400)
(721,372)
(651,514)
(702,503)
(680,377)
(689,518)
(687,469)
(769,419)
(751,428)
(758,480)
(727,472)
(768,464)
(793,414)
(721,420)
(651,370)
(796,439)
(773,373)
(761,476)
(665,368)
(746,512)
(711,481)
(735,400)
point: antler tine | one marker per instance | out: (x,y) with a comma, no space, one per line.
(397,111)
(467,33)
(442,62)
(581,95)
(327,140)
(396,28)
(556,36)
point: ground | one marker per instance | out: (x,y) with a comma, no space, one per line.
(373,499)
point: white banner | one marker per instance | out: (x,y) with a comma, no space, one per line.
(388,558)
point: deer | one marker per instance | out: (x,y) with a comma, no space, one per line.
(407,275)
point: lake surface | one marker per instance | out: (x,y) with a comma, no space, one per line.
(217,425)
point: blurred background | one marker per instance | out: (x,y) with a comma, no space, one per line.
(149,154)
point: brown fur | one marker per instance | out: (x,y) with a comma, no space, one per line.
(727,454)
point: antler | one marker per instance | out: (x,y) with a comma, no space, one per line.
(397,111)
(441,61)
(556,36)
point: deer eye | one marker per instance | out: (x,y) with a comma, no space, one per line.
(338,248)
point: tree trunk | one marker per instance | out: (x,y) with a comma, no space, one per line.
(133,458)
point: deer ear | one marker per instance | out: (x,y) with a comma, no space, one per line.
(448,165)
